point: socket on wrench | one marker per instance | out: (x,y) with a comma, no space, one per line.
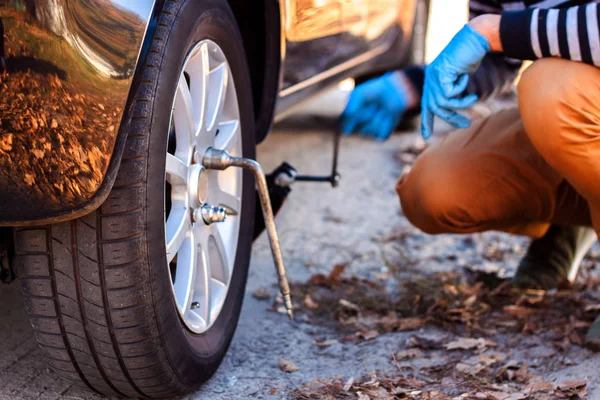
(221,160)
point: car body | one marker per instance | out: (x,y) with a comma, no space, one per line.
(72,71)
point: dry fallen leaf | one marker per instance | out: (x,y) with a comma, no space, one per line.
(324,344)
(410,324)
(592,307)
(470,301)
(469,344)
(564,344)
(348,384)
(287,365)
(362,396)
(408,354)
(522,374)
(425,342)
(508,369)
(350,306)
(505,395)
(519,311)
(337,271)
(470,369)
(571,390)
(476,364)
(262,293)
(329,281)
(38,153)
(29,179)
(368,335)
(570,385)
(309,302)
(6,142)
(538,384)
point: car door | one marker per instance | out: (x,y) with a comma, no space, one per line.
(355,20)
(313,32)
(386,17)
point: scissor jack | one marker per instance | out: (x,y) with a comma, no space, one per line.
(276,187)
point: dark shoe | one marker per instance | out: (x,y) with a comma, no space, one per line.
(553,260)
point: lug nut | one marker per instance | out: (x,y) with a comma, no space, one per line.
(196,157)
(210,214)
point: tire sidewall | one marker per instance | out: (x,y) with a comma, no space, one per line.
(195,357)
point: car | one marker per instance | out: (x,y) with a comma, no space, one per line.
(131,253)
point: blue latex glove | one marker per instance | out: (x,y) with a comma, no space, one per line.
(446,79)
(376,106)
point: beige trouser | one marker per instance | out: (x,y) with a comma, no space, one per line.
(520,169)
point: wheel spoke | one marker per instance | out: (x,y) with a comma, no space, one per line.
(202,293)
(177,227)
(219,197)
(185,275)
(198,69)
(230,201)
(228,135)
(177,170)
(183,115)
(217,88)
(221,270)
(218,290)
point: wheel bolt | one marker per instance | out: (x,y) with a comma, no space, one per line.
(210,214)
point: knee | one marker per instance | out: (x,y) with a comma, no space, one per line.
(552,95)
(544,83)
(430,200)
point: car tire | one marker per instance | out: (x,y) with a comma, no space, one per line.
(98,289)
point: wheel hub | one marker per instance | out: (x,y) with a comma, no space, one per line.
(198,187)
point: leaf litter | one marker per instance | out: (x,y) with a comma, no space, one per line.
(472,308)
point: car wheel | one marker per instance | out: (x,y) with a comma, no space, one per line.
(141,298)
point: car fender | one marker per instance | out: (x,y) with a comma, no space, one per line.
(70,77)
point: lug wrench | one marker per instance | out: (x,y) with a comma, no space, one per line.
(334,177)
(221,160)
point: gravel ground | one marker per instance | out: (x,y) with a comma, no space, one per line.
(319,227)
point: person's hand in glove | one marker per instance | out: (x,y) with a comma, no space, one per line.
(376,106)
(446,79)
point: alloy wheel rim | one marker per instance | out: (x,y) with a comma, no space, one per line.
(201,256)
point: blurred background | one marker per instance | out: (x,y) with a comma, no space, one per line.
(445,19)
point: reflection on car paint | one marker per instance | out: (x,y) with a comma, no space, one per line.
(69,66)
(69,69)
(329,33)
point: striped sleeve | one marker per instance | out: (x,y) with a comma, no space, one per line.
(572,33)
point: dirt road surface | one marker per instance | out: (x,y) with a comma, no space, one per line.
(319,227)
